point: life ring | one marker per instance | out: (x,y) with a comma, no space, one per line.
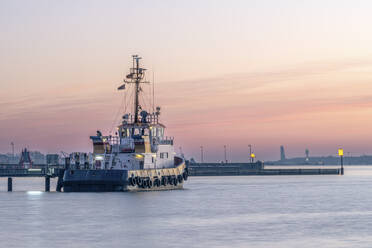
(185,175)
(138,180)
(144,184)
(180,178)
(157,182)
(132,181)
(164,181)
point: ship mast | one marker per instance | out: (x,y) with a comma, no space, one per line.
(135,77)
(138,78)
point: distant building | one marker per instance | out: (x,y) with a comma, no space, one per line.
(282,153)
(37,157)
(52,159)
(25,160)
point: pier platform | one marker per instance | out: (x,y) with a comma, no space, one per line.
(47,173)
(257,169)
(29,172)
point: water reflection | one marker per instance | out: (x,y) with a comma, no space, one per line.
(34,192)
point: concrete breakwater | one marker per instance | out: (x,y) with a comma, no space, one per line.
(258,168)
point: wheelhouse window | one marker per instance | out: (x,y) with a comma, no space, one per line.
(146,131)
(160,132)
(163,155)
(125,132)
(136,131)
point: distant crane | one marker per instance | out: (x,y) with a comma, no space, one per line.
(65,154)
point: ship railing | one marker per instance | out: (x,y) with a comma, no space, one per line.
(150,118)
(112,140)
(166,141)
(22,172)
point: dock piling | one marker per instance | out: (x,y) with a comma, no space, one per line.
(10,184)
(47,183)
(60,181)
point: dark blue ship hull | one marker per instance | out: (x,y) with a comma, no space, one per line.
(95,180)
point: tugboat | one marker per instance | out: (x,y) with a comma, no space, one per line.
(137,158)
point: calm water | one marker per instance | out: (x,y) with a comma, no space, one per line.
(271,211)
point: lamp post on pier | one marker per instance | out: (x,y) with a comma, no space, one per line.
(250,153)
(224,148)
(341,154)
(201,154)
(252,157)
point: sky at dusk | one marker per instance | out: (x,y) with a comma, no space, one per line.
(267,73)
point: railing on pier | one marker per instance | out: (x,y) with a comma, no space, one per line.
(52,172)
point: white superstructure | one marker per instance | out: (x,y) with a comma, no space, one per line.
(139,142)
